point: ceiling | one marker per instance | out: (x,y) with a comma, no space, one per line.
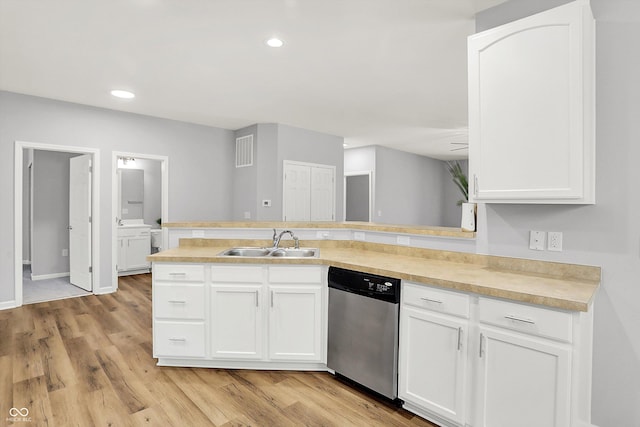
(387,72)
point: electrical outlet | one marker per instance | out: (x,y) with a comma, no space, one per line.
(536,240)
(554,241)
(403,240)
(247,215)
(266,203)
(65,252)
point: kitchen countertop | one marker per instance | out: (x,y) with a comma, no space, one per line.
(350,225)
(563,286)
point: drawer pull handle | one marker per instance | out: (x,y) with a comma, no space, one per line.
(257,295)
(177,274)
(178,339)
(431,300)
(481,345)
(177,302)
(459,338)
(520,319)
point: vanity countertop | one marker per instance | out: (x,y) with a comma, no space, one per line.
(563,286)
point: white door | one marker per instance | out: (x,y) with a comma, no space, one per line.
(295,323)
(322,194)
(297,192)
(80,221)
(236,321)
(523,381)
(433,364)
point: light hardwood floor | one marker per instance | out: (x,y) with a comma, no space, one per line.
(87,362)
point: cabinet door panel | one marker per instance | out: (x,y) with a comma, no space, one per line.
(295,322)
(236,322)
(433,362)
(522,380)
(530,109)
(138,248)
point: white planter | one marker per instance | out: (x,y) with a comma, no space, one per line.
(468,222)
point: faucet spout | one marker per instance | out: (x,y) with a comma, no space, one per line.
(276,239)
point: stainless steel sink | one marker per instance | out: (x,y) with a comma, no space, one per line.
(246,252)
(271,252)
(295,253)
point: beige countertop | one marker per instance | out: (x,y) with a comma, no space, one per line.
(564,286)
(351,225)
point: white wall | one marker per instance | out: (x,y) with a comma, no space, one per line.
(607,234)
(200,161)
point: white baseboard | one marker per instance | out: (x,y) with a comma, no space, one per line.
(6,305)
(103,291)
(35,277)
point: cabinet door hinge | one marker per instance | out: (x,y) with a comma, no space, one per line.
(90,269)
(90,220)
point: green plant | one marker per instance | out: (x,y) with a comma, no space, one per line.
(460,179)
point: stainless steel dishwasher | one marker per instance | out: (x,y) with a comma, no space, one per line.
(363,329)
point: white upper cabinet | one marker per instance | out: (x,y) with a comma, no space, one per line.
(531,109)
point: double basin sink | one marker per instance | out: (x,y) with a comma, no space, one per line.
(272,252)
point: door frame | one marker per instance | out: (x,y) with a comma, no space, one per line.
(368,173)
(115,201)
(20,147)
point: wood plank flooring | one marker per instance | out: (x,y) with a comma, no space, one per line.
(87,362)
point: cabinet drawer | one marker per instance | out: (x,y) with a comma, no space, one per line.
(180,339)
(179,272)
(526,318)
(435,299)
(178,301)
(295,274)
(237,274)
(134,232)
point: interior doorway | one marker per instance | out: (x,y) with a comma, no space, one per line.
(358,200)
(140,205)
(55,243)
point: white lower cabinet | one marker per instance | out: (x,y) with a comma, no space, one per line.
(492,363)
(239,315)
(433,352)
(178,311)
(295,322)
(236,321)
(523,365)
(522,380)
(134,245)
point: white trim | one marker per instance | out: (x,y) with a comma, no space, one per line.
(368,173)
(49,276)
(95,211)
(26,262)
(7,305)
(164,207)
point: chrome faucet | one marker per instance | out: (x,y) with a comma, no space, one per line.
(277,237)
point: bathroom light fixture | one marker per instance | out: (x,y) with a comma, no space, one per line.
(124,94)
(275,42)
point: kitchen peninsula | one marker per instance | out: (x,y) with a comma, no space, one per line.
(509,317)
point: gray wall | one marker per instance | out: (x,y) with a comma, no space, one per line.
(268,185)
(200,162)
(607,234)
(408,188)
(245,179)
(274,143)
(50,212)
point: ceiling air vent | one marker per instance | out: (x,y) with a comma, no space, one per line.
(244,151)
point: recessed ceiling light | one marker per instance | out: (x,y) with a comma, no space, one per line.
(275,42)
(124,94)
